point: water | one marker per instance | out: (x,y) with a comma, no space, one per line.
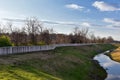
(111,67)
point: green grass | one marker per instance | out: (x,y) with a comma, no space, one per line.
(63,63)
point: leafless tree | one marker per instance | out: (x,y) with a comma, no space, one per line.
(33,27)
(79,35)
(110,39)
(33,32)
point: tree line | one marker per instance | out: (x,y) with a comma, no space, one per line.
(34,33)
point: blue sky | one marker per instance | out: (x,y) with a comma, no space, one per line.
(101,16)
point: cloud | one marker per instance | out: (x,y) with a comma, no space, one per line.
(44,21)
(82,24)
(109,20)
(112,22)
(3,12)
(74,6)
(79,24)
(13,20)
(61,23)
(102,6)
(86,24)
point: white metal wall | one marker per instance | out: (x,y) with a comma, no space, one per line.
(24,49)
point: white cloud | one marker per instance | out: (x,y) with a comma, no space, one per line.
(86,24)
(3,12)
(102,6)
(82,24)
(74,6)
(60,22)
(113,22)
(109,20)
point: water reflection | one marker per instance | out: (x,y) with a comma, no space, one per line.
(112,67)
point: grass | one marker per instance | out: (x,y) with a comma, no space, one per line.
(115,55)
(63,63)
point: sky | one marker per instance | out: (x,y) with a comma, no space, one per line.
(102,17)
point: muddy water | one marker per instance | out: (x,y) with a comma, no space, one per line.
(112,67)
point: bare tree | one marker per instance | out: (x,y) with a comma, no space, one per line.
(46,36)
(33,27)
(33,33)
(110,39)
(79,35)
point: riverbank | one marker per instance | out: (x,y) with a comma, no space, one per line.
(63,63)
(115,55)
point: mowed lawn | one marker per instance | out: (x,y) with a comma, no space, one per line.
(63,63)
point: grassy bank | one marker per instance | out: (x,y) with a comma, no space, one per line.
(115,55)
(64,63)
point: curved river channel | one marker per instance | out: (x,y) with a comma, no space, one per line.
(112,67)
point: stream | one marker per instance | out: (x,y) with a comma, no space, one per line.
(112,67)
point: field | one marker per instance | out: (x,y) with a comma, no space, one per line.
(63,63)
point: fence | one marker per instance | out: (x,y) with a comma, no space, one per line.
(24,49)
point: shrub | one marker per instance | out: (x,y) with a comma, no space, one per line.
(5,41)
(41,43)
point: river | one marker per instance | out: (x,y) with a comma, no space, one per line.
(112,67)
